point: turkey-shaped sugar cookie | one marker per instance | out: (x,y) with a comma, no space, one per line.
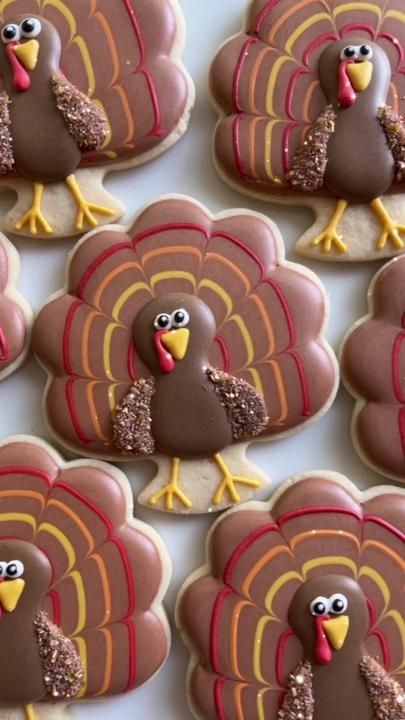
(81,584)
(310,95)
(182,339)
(373,363)
(89,86)
(298,613)
(15,313)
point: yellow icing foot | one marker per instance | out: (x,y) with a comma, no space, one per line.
(228,482)
(34,216)
(172,490)
(330,237)
(86,209)
(391,229)
(29,712)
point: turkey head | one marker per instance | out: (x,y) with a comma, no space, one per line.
(30,52)
(25,575)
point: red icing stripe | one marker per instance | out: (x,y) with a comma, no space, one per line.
(282,642)
(306,409)
(238,71)
(401,427)
(398,46)
(395,364)
(263,14)
(290,91)
(372,612)
(138,33)
(353,27)
(169,227)
(128,575)
(215,621)
(72,410)
(157,127)
(286,146)
(226,360)
(384,648)
(283,519)
(88,503)
(99,261)
(287,313)
(219,705)
(131,361)
(4,351)
(317,43)
(27,470)
(132,655)
(236,143)
(244,545)
(66,336)
(386,525)
(233,239)
(56,613)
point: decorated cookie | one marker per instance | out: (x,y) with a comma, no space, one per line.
(15,313)
(89,86)
(300,607)
(310,96)
(81,584)
(373,364)
(182,339)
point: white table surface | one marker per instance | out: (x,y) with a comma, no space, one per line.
(187,168)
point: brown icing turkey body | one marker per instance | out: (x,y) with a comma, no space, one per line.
(62,120)
(186,409)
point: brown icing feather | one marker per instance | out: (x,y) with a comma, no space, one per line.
(6,144)
(84,120)
(309,163)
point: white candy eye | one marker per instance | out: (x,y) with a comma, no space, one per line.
(320,606)
(365,52)
(10,33)
(14,569)
(30,27)
(180,318)
(338,604)
(3,566)
(350,52)
(163,321)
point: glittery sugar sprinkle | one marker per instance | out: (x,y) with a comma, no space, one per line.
(394,129)
(6,149)
(132,425)
(387,696)
(85,121)
(63,670)
(299,701)
(245,407)
(309,164)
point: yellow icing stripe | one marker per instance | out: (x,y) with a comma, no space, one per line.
(218,290)
(19,517)
(277,585)
(4,4)
(62,539)
(170,275)
(257,380)
(82,648)
(400,623)
(129,292)
(257,648)
(379,581)
(67,14)
(234,636)
(107,349)
(303,27)
(108,662)
(111,397)
(271,85)
(260,703)
(268,151)
(246,337)
(84,51)
(281,392)
(329,560)
(81,602)
(397,15)
(353,6)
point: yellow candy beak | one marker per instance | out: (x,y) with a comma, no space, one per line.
(176,342)
(360,75)
(336,631)
(10,593)
(27,53)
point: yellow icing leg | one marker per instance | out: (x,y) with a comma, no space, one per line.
(30,712)
(86,208)
(228,482)
(34,216)
(391,229)
(172,490)
(330,236)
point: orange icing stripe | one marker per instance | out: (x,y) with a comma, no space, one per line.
(391,553)
(242,277)
(25,494)
(281,392)
(252,146)
(108,662)
(175,249)
(106,588)
(324,533)
(234,636)
(127,112)
(253,78)
(284,18)
(238,700)
(93,410)
(260,565)
(76,519)
(307,100)
(110,277)
(267,322)
(85,343)
(111,44)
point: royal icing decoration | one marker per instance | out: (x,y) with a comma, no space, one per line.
(15,314)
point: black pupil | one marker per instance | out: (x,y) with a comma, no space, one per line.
(338,606)
(319,609)
(12,569)
(9,32)
(179,317)
(364,50)
(349,52)
(28,26)
(163,321)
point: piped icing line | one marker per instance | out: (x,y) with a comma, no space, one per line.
(4,350)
